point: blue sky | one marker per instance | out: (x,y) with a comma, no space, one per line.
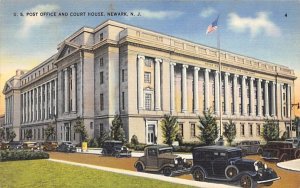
(254,28)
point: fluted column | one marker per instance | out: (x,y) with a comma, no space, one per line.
(252,94)
(23,109)
(157,84)
(66,74)
(55,96)
(196,90)
(244,95)
(172,87)
(217,93)
(50,98)
(235,95)
(226,92)
(273,103)
(141,81)
(266,91)
(184,88)
(30,105)
(26,109)
(37,104)
(259,113)
(73,88)
(41,107)
(288,100)
(46,101)
(206,89)
(34,104)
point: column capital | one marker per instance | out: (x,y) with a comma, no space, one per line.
(172,63)
(216,72)
(158,60)
(273,82)
(227,74)
(207,70)
(252,79)
(141,57)
(72,66)
(185,66)
(266,81)
(236,75)
(65,69)
(196,68)
(244,77)
(259,79)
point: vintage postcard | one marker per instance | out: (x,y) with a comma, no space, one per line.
(123,93)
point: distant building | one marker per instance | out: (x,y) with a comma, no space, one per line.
(140,74)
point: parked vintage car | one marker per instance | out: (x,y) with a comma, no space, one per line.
(278,151)
(15,145)
(161,159)
(4,145)
(50,146)
(295,141)
(31,146)
(115,148)
(66,147)
(250,147)
(226,164)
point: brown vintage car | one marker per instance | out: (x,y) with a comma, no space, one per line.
(50,146)
(31,146)
(279,151)
(161,159)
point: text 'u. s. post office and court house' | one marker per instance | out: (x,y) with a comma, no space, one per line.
(140,74)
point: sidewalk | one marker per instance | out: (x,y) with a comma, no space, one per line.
(147,175)
(293,165)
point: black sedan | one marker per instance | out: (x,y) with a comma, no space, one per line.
(66,147)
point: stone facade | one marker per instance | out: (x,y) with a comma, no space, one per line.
(142,75)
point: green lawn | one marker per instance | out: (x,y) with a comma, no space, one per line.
(44,173)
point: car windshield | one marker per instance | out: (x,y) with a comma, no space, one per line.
(234,154)
(167,150)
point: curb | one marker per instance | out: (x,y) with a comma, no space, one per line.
(293,165)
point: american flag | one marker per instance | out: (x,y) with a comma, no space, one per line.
(213,26)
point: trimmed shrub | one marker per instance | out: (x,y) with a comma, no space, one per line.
(134,140)
(140,147)
(22,155)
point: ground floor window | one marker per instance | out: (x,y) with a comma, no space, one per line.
(151,134)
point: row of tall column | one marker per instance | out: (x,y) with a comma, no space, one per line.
(70,89)
(39,103)
(8,110)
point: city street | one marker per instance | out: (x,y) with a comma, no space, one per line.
(288,178)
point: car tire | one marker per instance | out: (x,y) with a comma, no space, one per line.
(231,171)
(117,155)
(246,181)
(297,154)
(139,167)
(283,157)
(198,174)
(167,171)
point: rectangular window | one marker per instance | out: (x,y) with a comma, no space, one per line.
(101,62)
(232,108)
(101,36)
(250,130)
(101,77)
(147,77)
(223,106)
(180,130)
(101,129)
(91,125)
(284,111)
(258,129)
(248,108)
(283,98)
(148,101)
(193,130)
(101,102)
(123,100)
(240,108)
(242,130)
(39,134)
(240,91)
(43,133)
(123,75)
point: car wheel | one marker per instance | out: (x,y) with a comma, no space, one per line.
(167,171)
(283,157)
(198,174)
(247,182)
(117,155)
(297,154)
(231,171)
(139,167)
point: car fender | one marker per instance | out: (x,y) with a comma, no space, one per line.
(198,166)
(240,174)
(139,162)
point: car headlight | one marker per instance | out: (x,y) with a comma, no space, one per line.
(256,166)
(184,160)
(176,161)
(265,166)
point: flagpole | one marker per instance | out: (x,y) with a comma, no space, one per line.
(220,83)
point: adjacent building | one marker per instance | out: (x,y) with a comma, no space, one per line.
(140,74)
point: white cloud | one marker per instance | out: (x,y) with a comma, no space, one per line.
(207,12)
(30,22)
(261,24)
(158,14)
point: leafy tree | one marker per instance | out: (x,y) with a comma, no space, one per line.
(230,131)
(117,131)
(11,135)
(208,127)
(102,138)
(49,131)
(169,127)
(80,129)
(2,133)
(134,140)
(270,130)
(297,124)
(28,134)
